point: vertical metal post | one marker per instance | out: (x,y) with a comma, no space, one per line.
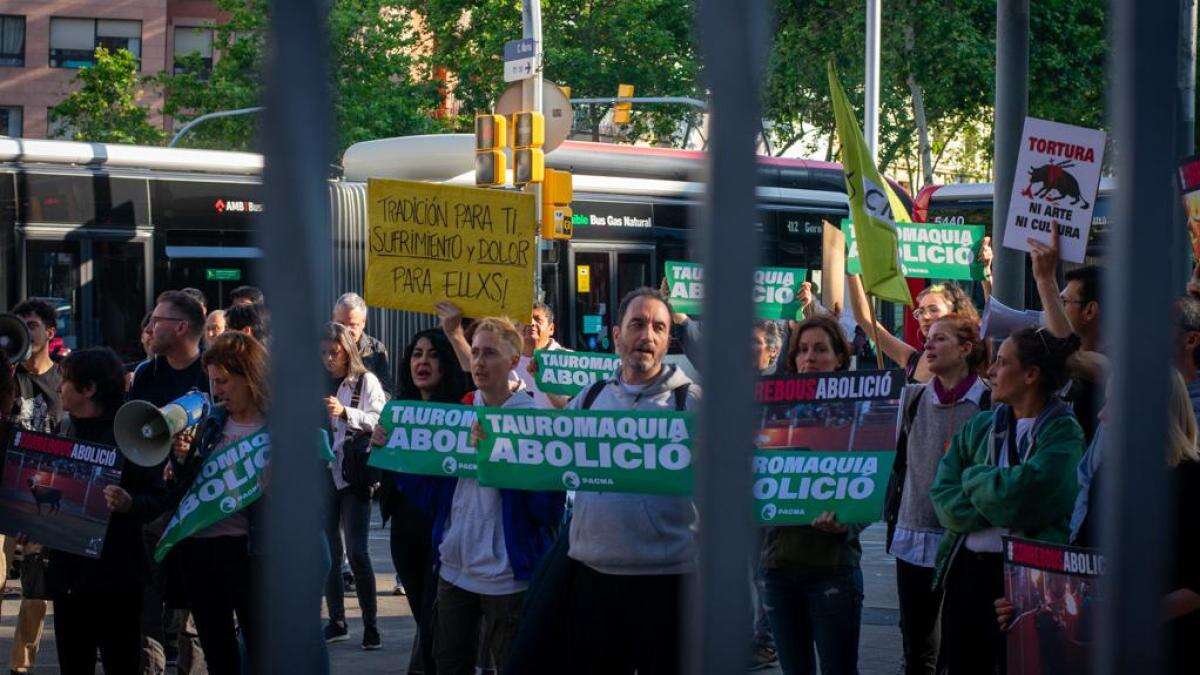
(871,79)
(1178,256)
(531,99)
(733,44)
(1012,102)
(1138,291)
(296,132)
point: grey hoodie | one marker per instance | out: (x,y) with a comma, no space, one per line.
(633,533)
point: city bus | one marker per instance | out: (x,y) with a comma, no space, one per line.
(101,229)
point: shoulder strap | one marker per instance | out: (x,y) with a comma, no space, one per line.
(680,394)
(358,387)
(910,413)
(589,397)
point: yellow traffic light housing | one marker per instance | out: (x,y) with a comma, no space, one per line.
(557,193)
(529,166)
(491,132)
(529,130)
(621,110)
(490,139)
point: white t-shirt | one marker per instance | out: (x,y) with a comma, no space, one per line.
(541,400)
(473,553)
(989,540)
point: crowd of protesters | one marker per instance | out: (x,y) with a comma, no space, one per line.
(1000,432)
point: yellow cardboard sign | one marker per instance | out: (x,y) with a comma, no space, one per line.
(429,242)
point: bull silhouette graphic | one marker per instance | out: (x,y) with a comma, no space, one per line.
(44,494)
(1054,178)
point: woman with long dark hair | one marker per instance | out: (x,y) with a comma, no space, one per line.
(353,411)
(429,372)
(98,602)
(1010,470)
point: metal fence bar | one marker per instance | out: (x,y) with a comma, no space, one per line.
(1137,301)
(1012,101)
(296,138)
(733,45)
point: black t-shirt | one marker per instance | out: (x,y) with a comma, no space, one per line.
(158,383)
(38,407)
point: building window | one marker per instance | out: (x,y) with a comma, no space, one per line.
(12,41)
(73,42)
(191,40)
(12,121)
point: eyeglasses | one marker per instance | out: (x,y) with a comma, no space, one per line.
(157,319)
(931,312)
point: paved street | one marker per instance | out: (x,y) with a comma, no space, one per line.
(879,647)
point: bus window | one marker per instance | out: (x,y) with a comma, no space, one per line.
(592,301)
(52,273)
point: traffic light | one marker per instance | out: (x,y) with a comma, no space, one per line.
(621,110)
(490,139)
(529,133)
(557,193)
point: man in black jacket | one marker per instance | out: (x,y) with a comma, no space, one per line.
(351,311)
(177,325)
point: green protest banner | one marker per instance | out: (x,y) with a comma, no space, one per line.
(685,286)
(229,481)
(645,452)
(929,250)
(433,439)
(793,487)
(776,289)
(567,373)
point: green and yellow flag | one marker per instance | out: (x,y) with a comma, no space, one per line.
(873,205)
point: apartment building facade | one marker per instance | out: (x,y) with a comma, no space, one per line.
(43,44)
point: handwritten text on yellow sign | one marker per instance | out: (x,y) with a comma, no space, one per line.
(429,242)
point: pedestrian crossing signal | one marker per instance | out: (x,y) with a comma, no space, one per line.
(529,166)
(529,130)
(490,139)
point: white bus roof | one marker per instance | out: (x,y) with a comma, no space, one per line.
(114,155)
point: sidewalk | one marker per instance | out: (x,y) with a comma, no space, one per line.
(879,646)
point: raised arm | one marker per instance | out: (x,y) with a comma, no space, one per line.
(895,348)
(1045,263)
(451,318)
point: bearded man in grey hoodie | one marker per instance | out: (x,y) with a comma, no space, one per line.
(632,552)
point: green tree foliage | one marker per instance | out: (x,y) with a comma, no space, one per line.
(104,109)
(950,57)
(590,46)
(378,89)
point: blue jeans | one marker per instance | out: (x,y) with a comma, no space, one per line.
(819,608)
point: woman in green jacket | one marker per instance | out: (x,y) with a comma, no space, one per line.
(1010,471)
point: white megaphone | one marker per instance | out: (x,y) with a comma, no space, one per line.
(14,338)
(144,431)
(999,320)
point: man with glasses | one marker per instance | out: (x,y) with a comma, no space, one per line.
(176,327)
(1074,309)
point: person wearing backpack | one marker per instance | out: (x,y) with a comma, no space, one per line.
(931,414)
(631,553)
(353,412)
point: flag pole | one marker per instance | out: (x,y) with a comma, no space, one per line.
(871,316)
